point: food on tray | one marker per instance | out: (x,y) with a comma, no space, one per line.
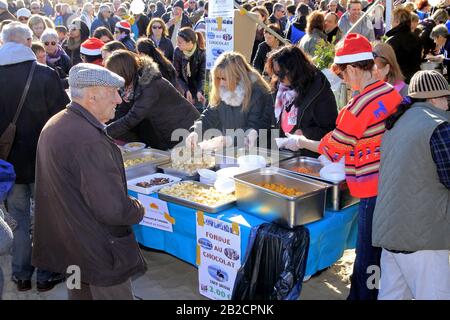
(199,194)
(153,182)
(189,160)
(281,188)
(305,170)
(135,145)
(133,162)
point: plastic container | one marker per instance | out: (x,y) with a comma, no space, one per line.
(134,146)
(251,162)
(207,176)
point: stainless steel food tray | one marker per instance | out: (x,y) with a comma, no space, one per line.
(338,197)
(196,205)
(228,157)
(306,208)
(167,169)
(145,168)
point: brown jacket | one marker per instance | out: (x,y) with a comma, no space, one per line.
(83,214)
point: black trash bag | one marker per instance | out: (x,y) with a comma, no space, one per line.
(274,264)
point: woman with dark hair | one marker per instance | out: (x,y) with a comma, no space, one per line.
(147,47)
(157,32)
(78,33)
(263,16)
(110,47)
(357,140)
(152,108)
(189,61)
(297,28)
(314,33)
(305,104)
(103,34)
(270,43)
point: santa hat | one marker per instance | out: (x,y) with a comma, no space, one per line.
(123,24)
(92,47)
(353,48)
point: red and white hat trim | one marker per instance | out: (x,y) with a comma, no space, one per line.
(123,24)
(92,47)
(349,58)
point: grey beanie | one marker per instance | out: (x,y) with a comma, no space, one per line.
(428,84)
(85,75)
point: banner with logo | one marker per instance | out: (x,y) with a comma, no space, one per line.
(218,256)
(156,214)
(220,8)
(219,38)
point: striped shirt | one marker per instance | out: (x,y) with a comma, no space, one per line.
(357,137)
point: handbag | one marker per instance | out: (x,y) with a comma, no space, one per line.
(7,137)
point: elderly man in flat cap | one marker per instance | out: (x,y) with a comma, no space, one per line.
(83,213)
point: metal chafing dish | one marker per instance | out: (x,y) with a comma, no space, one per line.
(147,167)
(338,197)
(254,199)
(195,205)
(228,157)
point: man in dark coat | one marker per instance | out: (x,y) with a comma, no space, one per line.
(175,20)
(84,215)
(45,98)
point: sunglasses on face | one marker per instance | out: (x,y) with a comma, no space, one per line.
(156,27)
(47,43)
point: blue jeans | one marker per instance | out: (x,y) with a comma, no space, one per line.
(19,206)
(366,255)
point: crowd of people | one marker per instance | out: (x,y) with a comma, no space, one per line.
(76,76)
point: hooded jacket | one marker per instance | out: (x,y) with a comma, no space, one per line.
(156,109)
(45,97)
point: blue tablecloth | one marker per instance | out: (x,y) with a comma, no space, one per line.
(329,237)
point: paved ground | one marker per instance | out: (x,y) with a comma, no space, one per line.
(169,278)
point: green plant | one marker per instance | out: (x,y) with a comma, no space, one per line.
(324,54)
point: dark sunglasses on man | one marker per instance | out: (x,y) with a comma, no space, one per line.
(47,43)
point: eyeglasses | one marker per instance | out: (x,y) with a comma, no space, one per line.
(156,27)
(47,43)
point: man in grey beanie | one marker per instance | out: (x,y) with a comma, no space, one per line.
(84,216)
(411,221)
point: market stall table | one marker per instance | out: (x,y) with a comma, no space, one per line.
(329,237)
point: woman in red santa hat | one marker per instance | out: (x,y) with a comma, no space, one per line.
(357,139)
(91,51)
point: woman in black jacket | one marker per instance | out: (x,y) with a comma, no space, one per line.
(239,99)
(151,106)
(158,33)
(270,43)
(189,61)
(304,101)
(406,45)
(147,47)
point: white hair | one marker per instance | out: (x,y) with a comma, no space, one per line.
(77,93)
(49,34)
(16,32)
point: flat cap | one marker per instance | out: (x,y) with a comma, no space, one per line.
(85,75)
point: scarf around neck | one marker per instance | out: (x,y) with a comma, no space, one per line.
(187,56)
(233,98)
(56,56)
(285,98)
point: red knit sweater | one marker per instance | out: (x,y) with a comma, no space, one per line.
(358,133)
